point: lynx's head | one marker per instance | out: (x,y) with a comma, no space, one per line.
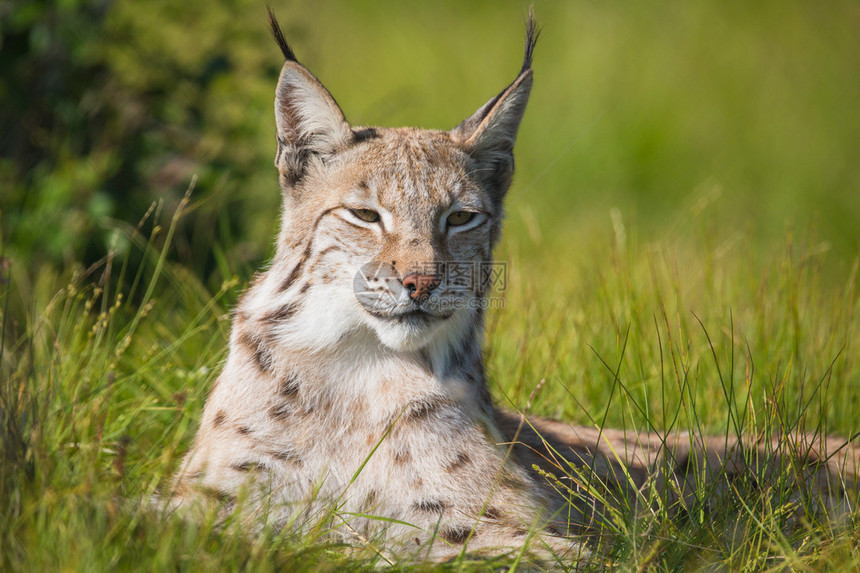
(386,229)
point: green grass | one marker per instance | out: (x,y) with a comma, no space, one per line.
(681,245)
(100,399)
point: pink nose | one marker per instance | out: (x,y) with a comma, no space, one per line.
(419,285)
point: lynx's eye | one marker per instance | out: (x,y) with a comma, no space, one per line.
(366,215)
(459,218)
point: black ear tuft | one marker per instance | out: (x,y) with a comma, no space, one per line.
(309,122)
(278,34)
(489,133)
(532,34)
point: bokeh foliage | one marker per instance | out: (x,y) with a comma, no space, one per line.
(106,107)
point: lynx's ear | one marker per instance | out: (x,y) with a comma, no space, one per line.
(490,133)
(309,121)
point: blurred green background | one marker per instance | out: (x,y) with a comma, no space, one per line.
(658,109)
(683,236)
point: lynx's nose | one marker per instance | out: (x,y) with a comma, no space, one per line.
(419,285)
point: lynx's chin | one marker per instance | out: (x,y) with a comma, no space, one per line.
(409,331)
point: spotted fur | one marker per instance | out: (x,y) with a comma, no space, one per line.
(320,378)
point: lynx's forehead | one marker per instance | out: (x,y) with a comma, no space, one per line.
(412,169)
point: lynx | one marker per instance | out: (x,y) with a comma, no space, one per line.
(355,384)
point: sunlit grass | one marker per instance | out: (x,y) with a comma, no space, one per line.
(101,398)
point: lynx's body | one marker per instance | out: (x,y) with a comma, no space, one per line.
(377,406)
(374,403)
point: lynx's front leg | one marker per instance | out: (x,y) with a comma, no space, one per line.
(433,461)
